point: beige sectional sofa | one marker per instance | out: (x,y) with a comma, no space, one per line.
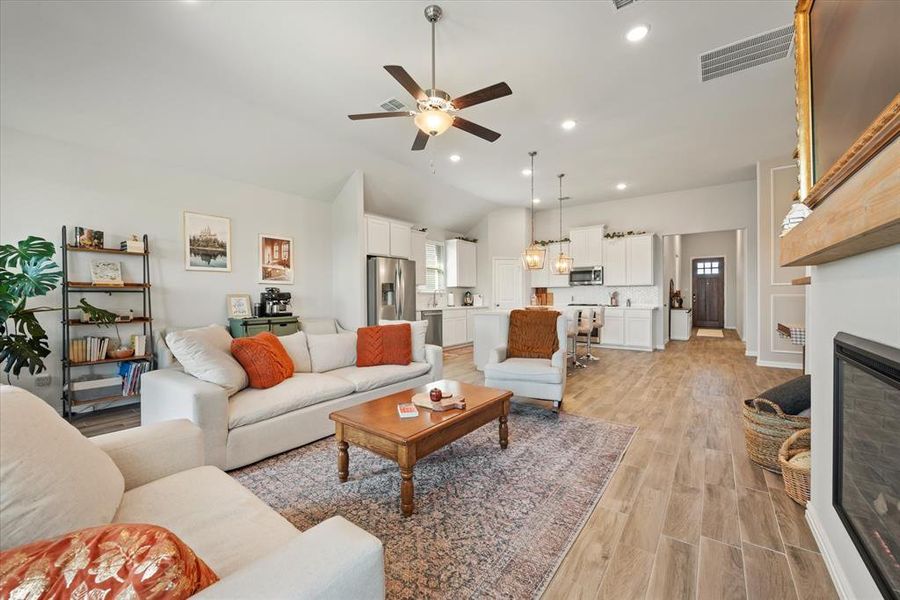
(53,480)
(242,425)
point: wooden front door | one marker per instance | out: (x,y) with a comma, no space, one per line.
(708,292)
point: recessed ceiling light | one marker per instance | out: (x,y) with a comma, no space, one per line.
(637,33)
(536,200)
(568,124)
(621,186)
(455,157)
(526,172)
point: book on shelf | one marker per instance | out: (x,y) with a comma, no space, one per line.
(131,377)
(88,349)
(132,246)
(139,343)
(407,410)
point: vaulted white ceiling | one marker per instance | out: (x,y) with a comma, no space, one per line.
(259,91)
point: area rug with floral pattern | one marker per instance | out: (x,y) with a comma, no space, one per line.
(489,523)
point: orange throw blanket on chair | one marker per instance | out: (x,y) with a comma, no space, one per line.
(532,334)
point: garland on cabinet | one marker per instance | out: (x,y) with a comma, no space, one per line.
(621,234)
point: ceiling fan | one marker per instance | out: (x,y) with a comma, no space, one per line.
(436,109)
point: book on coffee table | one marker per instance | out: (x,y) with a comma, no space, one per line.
(407,410)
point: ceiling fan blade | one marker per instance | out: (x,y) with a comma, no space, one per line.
(492,92)
(380,115)
(475,129)
(420,141)
(404,79)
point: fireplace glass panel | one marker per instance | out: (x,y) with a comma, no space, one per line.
(867,493)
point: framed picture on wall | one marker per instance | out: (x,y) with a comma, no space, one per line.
(239,306)
(276,259)
(207,243)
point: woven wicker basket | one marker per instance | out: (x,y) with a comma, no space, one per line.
(796,476)
(765,429)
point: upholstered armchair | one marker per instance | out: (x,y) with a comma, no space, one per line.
(540,378)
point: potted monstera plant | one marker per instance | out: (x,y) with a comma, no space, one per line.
(27,271)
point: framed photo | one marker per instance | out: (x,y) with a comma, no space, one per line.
(239,306)
(106,273)
(276,259)
(207,243)
(848,108)
(88,238)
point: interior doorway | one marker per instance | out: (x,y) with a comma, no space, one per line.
(507,283)
(708,292)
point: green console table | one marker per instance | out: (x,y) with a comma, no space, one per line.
(253,325)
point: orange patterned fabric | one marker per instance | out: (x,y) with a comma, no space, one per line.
(384,345)
(264,358)
(397,344)
(124,560)
(369,346)
(532,334)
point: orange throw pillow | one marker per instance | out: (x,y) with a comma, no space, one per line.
(532,334)
(124,560)
(264,358)
(369,346)
(397,344)
(384,345)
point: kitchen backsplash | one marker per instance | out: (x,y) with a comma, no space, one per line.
(599,294)
(425,300)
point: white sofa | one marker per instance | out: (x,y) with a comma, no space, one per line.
(53,480)
(540,378)
(254,424)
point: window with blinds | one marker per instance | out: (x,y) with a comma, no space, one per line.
(434,266)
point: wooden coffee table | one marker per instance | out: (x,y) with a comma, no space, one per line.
(376,426)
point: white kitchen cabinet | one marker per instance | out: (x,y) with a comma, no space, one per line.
(401,240)
(454,325)
(461,263)
(615,258)
(470,322)
(613,331)
(378,236)
(417,253)
(628,260)
(639,329)
(587,246)
(539,278)
(640,259)
(385,237)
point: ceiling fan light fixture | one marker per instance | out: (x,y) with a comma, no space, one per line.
(433,122)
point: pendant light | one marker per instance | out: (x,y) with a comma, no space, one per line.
(533,256)
(562,265)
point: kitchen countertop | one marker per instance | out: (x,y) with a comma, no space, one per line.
(449,308)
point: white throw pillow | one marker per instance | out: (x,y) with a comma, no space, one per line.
(52,479)
(205,353)
(297,348)
(332,351)
(419,330)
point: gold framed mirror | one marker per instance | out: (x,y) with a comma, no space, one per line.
(847,80)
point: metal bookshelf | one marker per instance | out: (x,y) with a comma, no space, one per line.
(77,288)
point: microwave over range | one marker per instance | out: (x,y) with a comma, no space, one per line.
(586,276)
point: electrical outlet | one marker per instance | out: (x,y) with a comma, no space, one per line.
(42,380)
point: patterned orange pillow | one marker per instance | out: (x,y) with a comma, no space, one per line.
(369,346)
(124,560)
(264,358)
(397,344)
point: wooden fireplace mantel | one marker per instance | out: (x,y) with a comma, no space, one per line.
(860,215)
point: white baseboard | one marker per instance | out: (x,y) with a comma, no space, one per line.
(838,577)
(661,347)
(751,353)
(778,364)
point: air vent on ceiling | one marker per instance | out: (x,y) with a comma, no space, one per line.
(748,53)
(393,105)
(622,3)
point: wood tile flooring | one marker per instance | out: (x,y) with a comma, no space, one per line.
(686,515)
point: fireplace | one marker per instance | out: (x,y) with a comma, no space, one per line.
(866,491)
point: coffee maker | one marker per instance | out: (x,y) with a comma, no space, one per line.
(275,303)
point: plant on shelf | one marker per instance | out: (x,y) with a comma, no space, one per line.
(27,270)
(549,242)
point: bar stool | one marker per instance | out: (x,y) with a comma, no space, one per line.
(584,327)
(573,320)
(598,316)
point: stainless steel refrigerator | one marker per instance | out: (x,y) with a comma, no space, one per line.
(392,289)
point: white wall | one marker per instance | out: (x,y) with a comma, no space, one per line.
(861,296)
(348,247)
(709,245)
(714,208)
(502,233)
(779,301)
(45,184)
